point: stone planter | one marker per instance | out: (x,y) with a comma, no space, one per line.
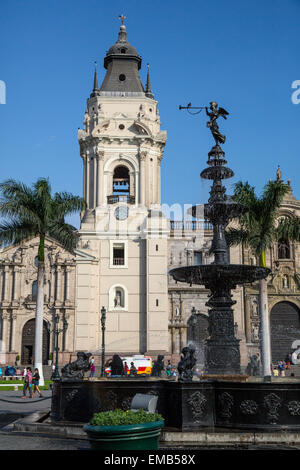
(143,436)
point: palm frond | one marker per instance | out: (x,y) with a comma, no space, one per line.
(65,203)
(236,236)
(65,234)
(288,229)
(15,231)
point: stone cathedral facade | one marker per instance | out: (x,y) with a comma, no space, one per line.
(127,245)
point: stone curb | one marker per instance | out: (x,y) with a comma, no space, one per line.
(30,424)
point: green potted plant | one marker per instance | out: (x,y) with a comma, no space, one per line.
(50,359)
(18,359)
(124,430)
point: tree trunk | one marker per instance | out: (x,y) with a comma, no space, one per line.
(264,328)
(265,343)
(39,314)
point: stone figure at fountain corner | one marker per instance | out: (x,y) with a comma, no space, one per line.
(76,369)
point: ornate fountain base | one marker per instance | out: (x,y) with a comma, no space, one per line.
(189,406)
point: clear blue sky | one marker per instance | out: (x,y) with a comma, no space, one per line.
(242,54)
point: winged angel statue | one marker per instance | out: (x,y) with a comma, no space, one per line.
(214,114)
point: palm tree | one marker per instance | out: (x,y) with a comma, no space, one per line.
(33,212)
(259,230)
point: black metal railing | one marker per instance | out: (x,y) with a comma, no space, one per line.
(118,261)
(114,199)
(192,225)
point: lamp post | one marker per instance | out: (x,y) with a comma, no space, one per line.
(57,331)
(103,319)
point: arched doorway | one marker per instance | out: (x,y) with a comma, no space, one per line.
(27,354)
(285,329)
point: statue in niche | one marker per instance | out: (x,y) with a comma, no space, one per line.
(254,308)
(283,250)
(118,299)
(254,332)
(285,282)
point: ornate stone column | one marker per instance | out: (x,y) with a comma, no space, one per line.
(84,175)
(12,336)
(68,283)
(4,338)
(88,163)
(52,284)
(58,283)
(16,292)
(158,191)
(100,177)
(143,156)
(6,283)
(95,174)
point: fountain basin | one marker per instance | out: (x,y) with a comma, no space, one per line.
(211,275)
(253,405)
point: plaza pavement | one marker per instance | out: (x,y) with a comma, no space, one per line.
(13,407)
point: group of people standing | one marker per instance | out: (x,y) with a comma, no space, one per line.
(31,382)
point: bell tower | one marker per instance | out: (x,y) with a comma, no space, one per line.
(122,254)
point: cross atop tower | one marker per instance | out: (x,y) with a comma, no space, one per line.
(122,18)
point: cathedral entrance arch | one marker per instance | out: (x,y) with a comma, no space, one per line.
(27,355)
(285,329)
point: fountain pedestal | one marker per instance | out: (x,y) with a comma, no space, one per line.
(222,350)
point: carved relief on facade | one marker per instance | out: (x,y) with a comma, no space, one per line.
(254,319)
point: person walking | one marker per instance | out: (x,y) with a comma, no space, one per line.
(36,382)
(28,383)
(92,372)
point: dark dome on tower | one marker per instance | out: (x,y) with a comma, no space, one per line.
(122,49)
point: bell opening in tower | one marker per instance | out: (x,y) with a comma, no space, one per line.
(121,186)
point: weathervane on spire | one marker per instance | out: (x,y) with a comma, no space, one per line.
(122,18)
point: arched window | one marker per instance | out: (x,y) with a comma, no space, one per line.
(121,182)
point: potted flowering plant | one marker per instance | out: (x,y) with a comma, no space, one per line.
(124,430)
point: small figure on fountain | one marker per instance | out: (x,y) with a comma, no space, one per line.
(186,364)
(158,366)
